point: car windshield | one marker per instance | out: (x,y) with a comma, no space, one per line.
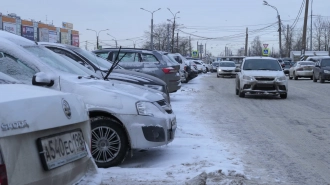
(216,64)
(97,61)
(262,64)
(307,63)
(227,64)
(5,79)
(54,60)
(170,60)
(325,62)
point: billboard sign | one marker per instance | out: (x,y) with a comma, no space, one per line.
(10,27)
(64,38)
(75,40)
(43,35)
(28,32)
(67,25)
(53,37)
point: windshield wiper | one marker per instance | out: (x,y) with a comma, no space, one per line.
(115,63)
(248,69)
(88,77)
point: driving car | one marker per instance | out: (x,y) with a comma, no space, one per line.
(101,67)
(215,65)
(123,116)
(47,143)
(226,68)
(145,61)
(287,66)
(301,69)
(261,76)
(321,70)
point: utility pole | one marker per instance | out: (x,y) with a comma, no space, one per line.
(304,31)
(177,41)
(246,42)
(197,50)
(174,16)
(311,43)
(287,41)
(280,34)
(190,46)
(168,38)
(152,27)
(205,49)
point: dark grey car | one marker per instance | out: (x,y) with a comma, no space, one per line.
(145,61)
(321,71)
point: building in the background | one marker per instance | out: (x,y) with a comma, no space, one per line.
(39,31)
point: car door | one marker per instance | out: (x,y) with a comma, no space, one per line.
(292,69)
(152,66)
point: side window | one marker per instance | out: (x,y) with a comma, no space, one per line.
(148,58)
(17,69)
(126,57)
(102,55)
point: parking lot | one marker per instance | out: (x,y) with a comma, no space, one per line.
(266,140)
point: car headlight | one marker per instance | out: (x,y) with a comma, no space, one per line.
(326,71)
(145,108)
(248,77)
(281,79)
(156,87)
(219,69)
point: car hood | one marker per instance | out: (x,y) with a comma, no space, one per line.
(263,73)
(135,77)
(227,68)
(18,117)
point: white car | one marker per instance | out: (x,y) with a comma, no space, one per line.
(123,116)
(45,136)
(301,69)
(261,75)
(201,67)
(177,57)
(226,68)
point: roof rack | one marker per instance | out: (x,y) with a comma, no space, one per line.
(129,48)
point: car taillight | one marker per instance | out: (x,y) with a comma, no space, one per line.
(299,69)
(168,70)
(3,171)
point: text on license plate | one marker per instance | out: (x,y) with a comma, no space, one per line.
(62,148)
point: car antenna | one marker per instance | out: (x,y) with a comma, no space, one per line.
(114,64)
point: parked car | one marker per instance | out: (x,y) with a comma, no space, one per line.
(101,67)
(287,66)
(190,68)
(321,71)
(226,68)
(215,66)
(199,64)
(123,116)
(184,68)
(145,61)
(261,75)
(45,135)
(301,69)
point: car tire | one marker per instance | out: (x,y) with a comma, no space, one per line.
(320,78)
(236,90)
(294,76)
(284,96)
(207,69)
(290,77)
(240,93)
(314,78)
(311,77)
(100,146)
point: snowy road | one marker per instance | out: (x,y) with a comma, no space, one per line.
(266,140)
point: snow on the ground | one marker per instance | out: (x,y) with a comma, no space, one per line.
(193,151)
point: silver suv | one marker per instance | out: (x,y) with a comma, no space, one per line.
(261,75)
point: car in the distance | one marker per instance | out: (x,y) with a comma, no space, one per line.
(321,70)
(226,68)
(45,136)
(215,65)
(261,76)
(301,69)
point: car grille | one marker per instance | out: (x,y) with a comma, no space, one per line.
(163,104)
(264,78)
(264,87)
(227,70)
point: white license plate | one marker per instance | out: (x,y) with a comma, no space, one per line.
(62,148)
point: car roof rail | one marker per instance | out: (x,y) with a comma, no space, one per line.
(130,48)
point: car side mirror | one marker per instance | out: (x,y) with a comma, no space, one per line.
(238,70)
(42,79)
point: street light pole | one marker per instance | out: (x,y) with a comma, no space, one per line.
(279,27)
(152,27)
(174,16)
(97,36)
(113,39)
(311,43)
(134,42)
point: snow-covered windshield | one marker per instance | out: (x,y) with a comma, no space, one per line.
(99,62)
(5,79)
(54,60)
(227,64)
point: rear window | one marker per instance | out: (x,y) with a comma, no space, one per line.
(325,62)
(262,64)
(306,63)
(227,64)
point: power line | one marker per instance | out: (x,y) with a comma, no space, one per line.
(298,16)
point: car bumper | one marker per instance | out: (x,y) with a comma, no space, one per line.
(304,73)
(148,131)
(264,87)
(231,73)
(325,76)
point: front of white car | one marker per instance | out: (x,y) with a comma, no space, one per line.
(226,68)
(261,75)
(45,136)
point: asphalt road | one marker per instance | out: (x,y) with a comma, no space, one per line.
(282,141)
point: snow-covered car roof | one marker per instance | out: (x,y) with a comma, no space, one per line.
(16,39)
(260,57)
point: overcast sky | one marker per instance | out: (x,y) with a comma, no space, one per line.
(210,18)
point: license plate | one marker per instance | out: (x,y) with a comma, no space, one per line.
(62,148)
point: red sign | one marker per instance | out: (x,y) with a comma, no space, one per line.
(265,45)
(75,40)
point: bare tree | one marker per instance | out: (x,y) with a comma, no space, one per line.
(297,40)
(287,40)
(318,33)
(256,48)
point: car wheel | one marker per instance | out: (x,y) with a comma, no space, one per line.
(236,90)
(284,96)
(311,77)
(240,93)
(290,77)
(320,78)
(207,69)
(314,78)
(294,76)
(109,145)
